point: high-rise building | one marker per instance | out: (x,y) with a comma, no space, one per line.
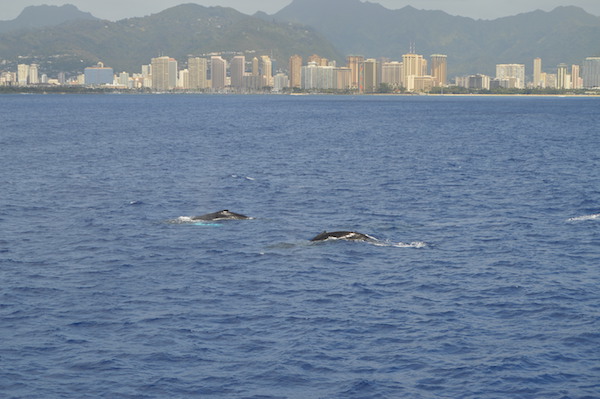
(267,70)
(161,74)
(124,79)
(356,65)
(325,77)
(22,74)
(183,80)
(98,75)
(173,73)
(197,68)
(549,80)
(343,78)
(564,79)
(591,72)
(34,77)
(478,82)
(513,72)
(370,74)
(391,74)
(537,72)
(280,82)
(218,68)
(439,69)
(237,69)
(255,67)
(576,82)
(414,65)
(295,71)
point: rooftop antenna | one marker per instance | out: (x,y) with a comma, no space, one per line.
(412,48)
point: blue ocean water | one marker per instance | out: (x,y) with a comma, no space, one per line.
(485,282)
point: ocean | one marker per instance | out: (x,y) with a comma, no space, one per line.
(483,283)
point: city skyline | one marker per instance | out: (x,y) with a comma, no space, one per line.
(478,9)
(361,75)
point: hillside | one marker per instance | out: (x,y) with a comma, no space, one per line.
(566,34)
(36,17)
(178,32)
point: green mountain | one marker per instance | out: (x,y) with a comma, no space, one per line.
(566,34)
(36,17)
(177,32)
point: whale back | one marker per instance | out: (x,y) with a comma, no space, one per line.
(342,235)
(221,215)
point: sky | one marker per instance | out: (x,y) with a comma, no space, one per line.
(119,9)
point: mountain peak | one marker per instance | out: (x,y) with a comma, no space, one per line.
(34,17)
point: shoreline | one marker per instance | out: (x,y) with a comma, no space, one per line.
(111,91)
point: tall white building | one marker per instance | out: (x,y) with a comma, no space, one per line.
(267,70)
(537,72)
(164,73)
(439,69)
(218,71)
(371,76)
(315,77)
(591,72)
(34,77)
(237,68)
(197,69)
(563,78)
(23,74)
(576,81)
(391,74)
(280,82)
(414,66)
(510,72)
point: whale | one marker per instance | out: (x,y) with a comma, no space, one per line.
(220,215)
(343,235)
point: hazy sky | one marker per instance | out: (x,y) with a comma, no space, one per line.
(119,9)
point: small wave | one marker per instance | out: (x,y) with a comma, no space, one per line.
(189,221)
(414,244)
(378,243)
(208,224)
(584,218)
(181,220)
(243,177)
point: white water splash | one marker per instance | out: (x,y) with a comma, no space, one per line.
(414,244)
(584,218)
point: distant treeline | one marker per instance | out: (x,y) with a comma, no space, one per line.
(383,90)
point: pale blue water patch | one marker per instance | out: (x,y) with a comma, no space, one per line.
(486,284)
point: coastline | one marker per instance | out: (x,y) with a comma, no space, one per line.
(31,90)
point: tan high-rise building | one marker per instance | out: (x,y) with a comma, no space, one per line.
(356,65)
(439,69)
(23,74)
(237,69)
(343,77)
(197,68)
(537,72)
(391,74)
(370,76)
(576,82)
(267,70)
(513,72)
(34,76)
(563,78)
(414,65)
(295,71)
(255,67)
(161,74)
(218,68)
